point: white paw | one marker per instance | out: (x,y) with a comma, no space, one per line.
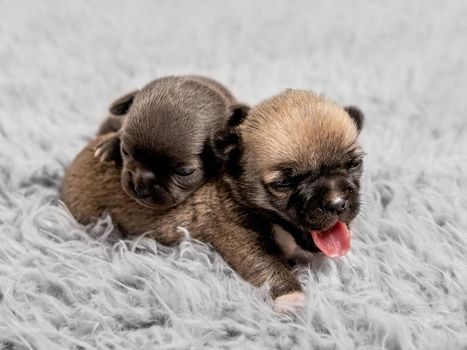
(292,302)
(99,153)
(104,150)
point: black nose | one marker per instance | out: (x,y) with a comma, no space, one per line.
(337,206)
(143,183)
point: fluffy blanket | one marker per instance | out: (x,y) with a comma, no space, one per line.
(403,285)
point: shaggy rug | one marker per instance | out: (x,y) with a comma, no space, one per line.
(403,285)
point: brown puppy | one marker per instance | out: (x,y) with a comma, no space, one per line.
(162,135)
(294,162)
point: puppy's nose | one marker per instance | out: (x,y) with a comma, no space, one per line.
(143,183)
(158,188)
(337,206)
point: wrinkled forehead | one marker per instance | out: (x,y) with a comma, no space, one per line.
(164,128)
(175,144)
(305,136)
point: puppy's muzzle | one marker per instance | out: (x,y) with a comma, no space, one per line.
(336,206)
(144,183)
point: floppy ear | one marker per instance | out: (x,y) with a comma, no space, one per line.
(122,104)
(357,116)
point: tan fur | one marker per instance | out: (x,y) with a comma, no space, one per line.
(91,188)
(295,127)
(299,120)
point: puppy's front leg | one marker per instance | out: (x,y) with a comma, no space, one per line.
(108,149)
(245,252)
(291,250)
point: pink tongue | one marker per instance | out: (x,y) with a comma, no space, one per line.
(333,242)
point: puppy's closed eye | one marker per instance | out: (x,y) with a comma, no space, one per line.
(282,184)
(125,151)
(185,171)
(281,179)
(353,164)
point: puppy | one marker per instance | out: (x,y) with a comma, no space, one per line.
(293,163)
(161,135)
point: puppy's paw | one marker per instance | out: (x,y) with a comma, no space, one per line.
(301,256)
(108,149)
(288,303)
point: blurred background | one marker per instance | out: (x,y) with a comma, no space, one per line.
(62,63)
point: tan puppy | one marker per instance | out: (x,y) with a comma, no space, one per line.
(294,162)
(161,136)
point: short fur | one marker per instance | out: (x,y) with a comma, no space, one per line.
(299,152)
(162,137)
(236,212)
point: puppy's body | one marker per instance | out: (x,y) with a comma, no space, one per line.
(285,165)
(162,136)
(211,215)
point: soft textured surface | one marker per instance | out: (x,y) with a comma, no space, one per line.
(403,285)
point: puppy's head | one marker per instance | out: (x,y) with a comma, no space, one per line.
(300,160)
(165,146)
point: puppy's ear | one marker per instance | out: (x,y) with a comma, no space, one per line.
(357,116)
(226,140)
(122,104)
(223,150)
(228,144)
(238,114)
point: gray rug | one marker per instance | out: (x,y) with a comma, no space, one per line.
(403,285)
